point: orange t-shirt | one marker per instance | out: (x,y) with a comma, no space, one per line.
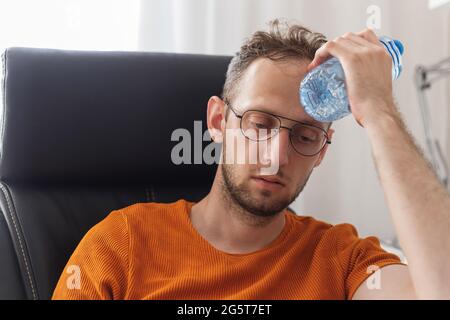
(152,251)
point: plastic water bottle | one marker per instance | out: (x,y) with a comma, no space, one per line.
(323,93)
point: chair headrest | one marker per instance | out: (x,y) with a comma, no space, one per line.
(103,117)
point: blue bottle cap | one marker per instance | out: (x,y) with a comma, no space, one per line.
(399,46)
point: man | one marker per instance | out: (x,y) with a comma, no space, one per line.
(241,241)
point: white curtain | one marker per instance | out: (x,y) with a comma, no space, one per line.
(70,24)
(345,187)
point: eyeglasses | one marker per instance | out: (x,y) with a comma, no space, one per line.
(306,139)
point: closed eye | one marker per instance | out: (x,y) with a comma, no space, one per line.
(260,125)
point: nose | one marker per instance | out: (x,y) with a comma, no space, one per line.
(284,146)
(279,147)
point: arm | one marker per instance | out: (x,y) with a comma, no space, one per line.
(418,203)
(395,284)
(98,268)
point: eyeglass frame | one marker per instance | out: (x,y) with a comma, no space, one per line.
(278,117)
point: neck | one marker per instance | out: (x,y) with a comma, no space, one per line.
(230,228)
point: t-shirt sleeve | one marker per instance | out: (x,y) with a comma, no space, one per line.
(98,268)
(360,257)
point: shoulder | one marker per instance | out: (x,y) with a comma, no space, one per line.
(151,211)
(118,222)
(342,242)
(150,218)
(325,228)
(309,224)
(327,235)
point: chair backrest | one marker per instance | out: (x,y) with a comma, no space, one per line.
(84,133)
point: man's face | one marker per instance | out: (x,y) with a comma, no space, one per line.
(272,87)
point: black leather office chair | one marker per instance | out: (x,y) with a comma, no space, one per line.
(84,133)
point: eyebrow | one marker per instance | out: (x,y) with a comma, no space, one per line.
(305,121)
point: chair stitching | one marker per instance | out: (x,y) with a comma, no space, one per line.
(20,241)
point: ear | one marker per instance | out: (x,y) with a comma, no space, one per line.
(216,118)
(324,150)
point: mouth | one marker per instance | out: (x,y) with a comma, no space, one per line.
(271,182)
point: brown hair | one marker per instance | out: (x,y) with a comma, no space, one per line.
(282,41)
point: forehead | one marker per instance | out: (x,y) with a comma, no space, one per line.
(273,86)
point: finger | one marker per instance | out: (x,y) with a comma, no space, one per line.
(358,39)
(339,48)
(369,35)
